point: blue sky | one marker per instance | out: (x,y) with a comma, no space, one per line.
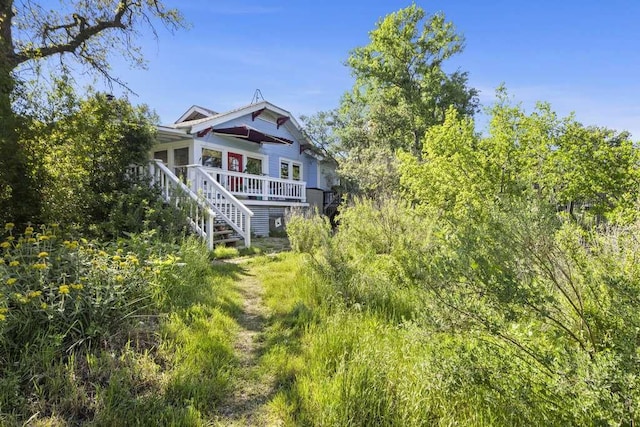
(581,56)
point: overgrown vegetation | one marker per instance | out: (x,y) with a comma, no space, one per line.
(471,280)
(137,331)
(520,320)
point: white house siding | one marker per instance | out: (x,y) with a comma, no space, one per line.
(263,216)
(260,220)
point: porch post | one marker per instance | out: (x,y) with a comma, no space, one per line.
(265,189)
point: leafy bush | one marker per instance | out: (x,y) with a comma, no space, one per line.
(307,230)
(72,291)
(525,320)
(85,334)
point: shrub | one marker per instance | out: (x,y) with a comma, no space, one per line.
(73,290)
(307,230)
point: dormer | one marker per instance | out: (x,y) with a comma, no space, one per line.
(194,113)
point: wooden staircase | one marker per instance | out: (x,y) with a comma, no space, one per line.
(223,234)
(213,213)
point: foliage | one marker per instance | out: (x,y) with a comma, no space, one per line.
(84,32)
(225,252)
(590,172)
(104,349)
(307,230)
(401,90)
(70,291)
(83,153)
(399,75)
(507,318)
(567,163)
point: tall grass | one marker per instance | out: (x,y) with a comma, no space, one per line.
(517,319)
(146,340)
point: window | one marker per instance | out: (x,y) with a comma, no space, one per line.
(211,158)
(254,166)
(180,160)
(162,155)
(290,169)
(284,170)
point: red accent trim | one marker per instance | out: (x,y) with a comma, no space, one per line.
(203,132)
(252,135)
(280,121)
(256,114)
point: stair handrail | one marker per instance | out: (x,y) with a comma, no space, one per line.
(242,223)
(202,224)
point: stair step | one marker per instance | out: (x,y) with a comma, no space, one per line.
(222,232)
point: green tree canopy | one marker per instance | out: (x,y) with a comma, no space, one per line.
(89,32)
(401,90)
(400,77)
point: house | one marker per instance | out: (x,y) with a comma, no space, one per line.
(250,164)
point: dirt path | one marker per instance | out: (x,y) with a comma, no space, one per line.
(246,405)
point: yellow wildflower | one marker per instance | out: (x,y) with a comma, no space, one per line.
(11,239)
(11,280)
(117,258)
(5,245)
(123,264)
(77,286)
(31,240)
(119,278)
(14,263)
(9,226)
(44,306)
(34,294)
(43,254)
(4,310)
(63,289)
(84,241)
(39,266)
(55,225)
(119,250)
(43,238)
(3,317)
(28,230)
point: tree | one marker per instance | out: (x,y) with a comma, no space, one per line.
(401,90)
(399,77)
(88,32)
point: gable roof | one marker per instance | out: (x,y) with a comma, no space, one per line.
(194,113)
(283,118)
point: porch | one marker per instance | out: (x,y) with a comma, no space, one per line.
(253,187)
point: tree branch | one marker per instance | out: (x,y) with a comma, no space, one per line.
(84,32)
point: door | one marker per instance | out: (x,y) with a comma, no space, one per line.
(235,165)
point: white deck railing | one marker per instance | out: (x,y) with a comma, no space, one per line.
(199,214)
(264,187)
(223,203)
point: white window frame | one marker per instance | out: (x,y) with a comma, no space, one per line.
(225,156)
(291,162)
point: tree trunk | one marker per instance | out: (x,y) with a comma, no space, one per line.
(19,201)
